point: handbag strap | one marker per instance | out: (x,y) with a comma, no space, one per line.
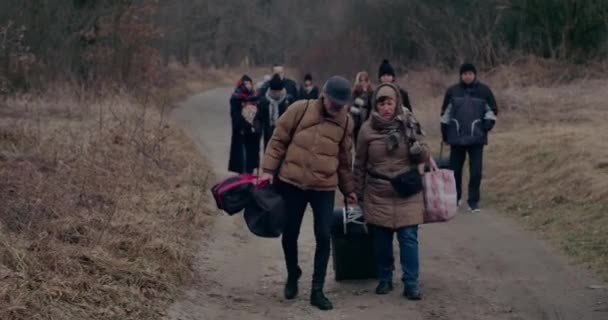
(295,128)
(432,165)
(375,174)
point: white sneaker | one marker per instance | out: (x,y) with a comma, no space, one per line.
(474,209)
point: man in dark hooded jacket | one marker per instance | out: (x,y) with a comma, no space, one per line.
(468,114)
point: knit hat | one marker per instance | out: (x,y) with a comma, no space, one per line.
(276,83)
(246,78)
(385,68)
(308,77)
(386,91)
(468,67)
(338,91)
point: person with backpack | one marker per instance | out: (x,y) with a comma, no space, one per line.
(309,155)
(274,103)
(308,90)
(246,128)
(468,114)
(388,155)
(386,74)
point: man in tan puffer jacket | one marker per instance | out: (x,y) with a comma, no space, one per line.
(310,153)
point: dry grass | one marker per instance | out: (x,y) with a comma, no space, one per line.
(547,162)
(101,204)
(548,165)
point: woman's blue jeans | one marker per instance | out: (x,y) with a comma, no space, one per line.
(408,252)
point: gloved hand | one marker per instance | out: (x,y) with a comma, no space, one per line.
(415,148)
(354,110)
(359,102)
(488,124)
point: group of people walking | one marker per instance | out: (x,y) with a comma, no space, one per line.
(308,137)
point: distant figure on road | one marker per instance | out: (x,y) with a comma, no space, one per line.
(468,114)
(311,154)
(273,104)
(308,91)
(246,128)
(386,74)
(290,86)
(389,145)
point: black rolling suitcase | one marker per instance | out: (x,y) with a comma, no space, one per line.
(353,250)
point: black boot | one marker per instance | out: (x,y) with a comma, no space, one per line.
(384,287)
(291,287)
(412,294)
(319,300)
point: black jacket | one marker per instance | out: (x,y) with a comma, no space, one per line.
(304,95)
(290,86)
(406,99)
(468,113)
(264,109)
(245,139)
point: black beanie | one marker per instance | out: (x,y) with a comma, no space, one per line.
(385,68)
(276,83)
(308,77)
(467,67)
(246,78)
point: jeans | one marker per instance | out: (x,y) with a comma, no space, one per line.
(322,203)
(408,253)
(458,155)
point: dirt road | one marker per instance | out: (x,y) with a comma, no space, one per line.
(474,267)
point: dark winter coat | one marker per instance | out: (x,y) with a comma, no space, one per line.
(265,115)
(406,99)
(468,113)
(245,139)
(306,95)
(360,109)
(290,86)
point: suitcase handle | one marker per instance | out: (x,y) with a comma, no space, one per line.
(347,218)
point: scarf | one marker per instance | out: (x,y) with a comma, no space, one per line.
(241,92)
(397,130)
(273,105)
(393,129)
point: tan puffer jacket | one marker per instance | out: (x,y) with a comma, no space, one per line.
(319,156)
(382,206)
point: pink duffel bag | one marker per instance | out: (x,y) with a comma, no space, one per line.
(439,194)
